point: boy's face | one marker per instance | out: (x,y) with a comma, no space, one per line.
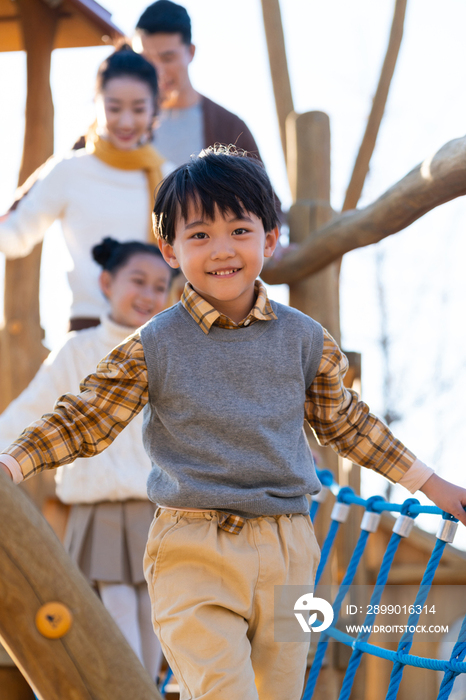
(221,258)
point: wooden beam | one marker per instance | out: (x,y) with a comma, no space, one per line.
(278,64)
(92,660)
(98,17)
(366,149)
(437,180)
(406,574)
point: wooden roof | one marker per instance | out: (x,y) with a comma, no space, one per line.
(81,23)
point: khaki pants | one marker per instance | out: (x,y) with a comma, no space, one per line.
(212,596)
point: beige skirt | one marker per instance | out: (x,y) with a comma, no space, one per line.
(107,540)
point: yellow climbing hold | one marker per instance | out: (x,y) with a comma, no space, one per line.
(53,620)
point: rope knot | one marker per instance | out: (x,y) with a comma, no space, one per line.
(405,507)
(345,495)
(371,503)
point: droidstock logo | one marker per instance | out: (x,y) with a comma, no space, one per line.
(308,603)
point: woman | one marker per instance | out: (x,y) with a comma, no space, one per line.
(105,189)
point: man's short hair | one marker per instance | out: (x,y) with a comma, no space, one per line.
(219,176)
(165,17)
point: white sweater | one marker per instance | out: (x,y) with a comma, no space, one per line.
(92,200)
(117,474)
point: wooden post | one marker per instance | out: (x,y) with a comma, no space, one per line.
(308,161)
(92,660)
(21,348)
(308,164)
(278,64)
(21,340)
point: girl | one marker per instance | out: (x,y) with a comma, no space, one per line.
(107,188)
(110,514)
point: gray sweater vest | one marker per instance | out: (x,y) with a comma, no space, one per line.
(224,423)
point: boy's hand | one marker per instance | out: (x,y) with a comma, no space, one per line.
(5,469)
(446,496)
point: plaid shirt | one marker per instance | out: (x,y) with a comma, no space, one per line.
(84,425)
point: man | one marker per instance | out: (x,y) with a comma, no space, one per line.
(188,121)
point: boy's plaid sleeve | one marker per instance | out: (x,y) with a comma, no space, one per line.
(342,421)
(85,424)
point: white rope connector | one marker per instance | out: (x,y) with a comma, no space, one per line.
(403,525)
(340,512)
(321,496)
(447,530)
(370,521)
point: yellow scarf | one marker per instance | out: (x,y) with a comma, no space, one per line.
(143,158)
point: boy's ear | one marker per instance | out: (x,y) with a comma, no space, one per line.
(168,253)
(271,240)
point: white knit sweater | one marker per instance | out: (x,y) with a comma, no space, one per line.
(92,200)
(117,474)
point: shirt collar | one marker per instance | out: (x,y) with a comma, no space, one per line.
(206,316)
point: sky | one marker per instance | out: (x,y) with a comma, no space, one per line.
(335,50)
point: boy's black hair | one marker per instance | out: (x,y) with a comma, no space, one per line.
(219,176)
(112,255)
(166,17)
(126,62)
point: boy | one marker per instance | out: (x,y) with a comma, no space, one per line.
(227,378)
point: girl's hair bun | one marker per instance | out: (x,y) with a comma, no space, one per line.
(123,46)
(104,251)
(111,255)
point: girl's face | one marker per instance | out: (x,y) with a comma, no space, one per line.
(125,112)
(138,290)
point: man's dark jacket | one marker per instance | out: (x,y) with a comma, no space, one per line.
(222,126)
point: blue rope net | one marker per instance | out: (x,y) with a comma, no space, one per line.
(410,509)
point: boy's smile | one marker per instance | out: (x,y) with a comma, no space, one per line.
(221,257)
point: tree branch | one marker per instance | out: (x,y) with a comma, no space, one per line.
(437,180)
(361,166)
